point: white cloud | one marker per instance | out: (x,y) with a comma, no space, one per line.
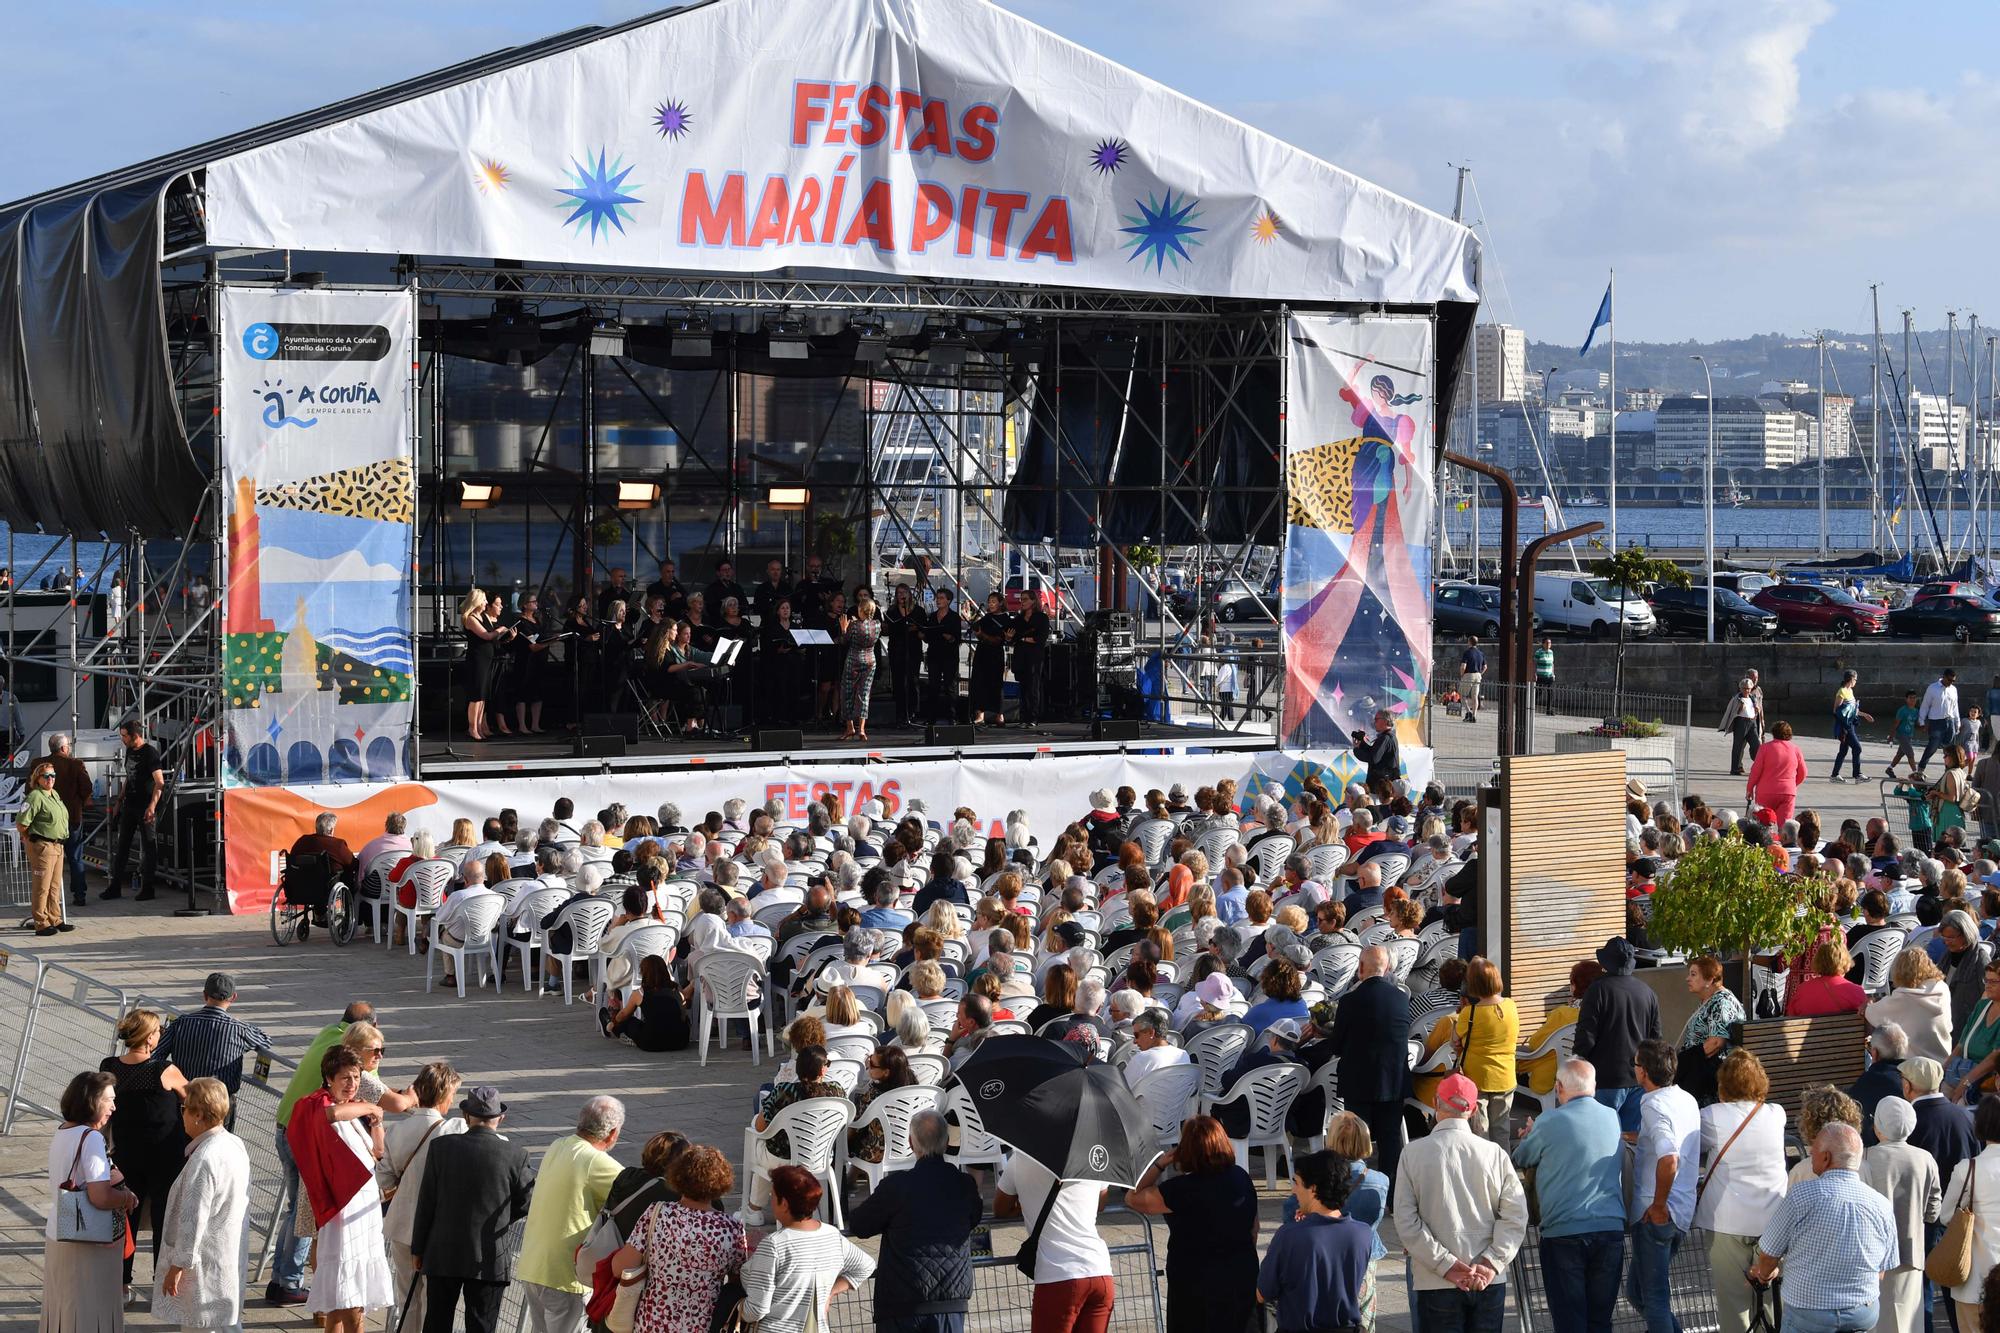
(276,564)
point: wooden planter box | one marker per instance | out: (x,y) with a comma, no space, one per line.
(1635,747)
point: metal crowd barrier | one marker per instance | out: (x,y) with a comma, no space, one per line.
(1688,1280)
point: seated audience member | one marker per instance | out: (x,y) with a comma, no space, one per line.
(322,841)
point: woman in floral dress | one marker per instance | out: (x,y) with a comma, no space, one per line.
(688,1247)
(857,674)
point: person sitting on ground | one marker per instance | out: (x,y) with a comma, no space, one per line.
(653,1016)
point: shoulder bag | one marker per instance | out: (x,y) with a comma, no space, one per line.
(390,1193)
(1727,1144)
(77,1218)
(602,1240)
(1949,1264)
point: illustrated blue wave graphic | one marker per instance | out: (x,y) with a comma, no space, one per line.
(383,647)
(274,414)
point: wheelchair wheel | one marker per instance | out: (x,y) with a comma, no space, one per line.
(340,917)
(287,922)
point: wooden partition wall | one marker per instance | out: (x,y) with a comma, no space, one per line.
(1562,862)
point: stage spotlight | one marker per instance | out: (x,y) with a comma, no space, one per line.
(871,340)
(477,495)
(948,345)
(607,338)
(638,494)
(789,499)
(788,340)
(513,336)
(692,338)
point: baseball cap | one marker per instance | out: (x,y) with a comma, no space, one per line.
(1399,825)
(1923,1073)
(1646,867)
(1070,933)
(219,986)
(1285,1030)
(1457,1093)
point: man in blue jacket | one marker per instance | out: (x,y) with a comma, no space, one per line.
(1575,1152)
(925,1216)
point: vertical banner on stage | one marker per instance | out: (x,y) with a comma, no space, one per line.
(318,454)
(1358,462)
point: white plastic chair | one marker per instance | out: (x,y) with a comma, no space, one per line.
(1323,861)
(453,853)
(1327,1079)
(587,920)
(976,1147)
(1152,835)
(1560,1041)
(941,1012)
(1008,1027)
(1336,966)
(1168,1095)
(1878,955)
(725,982)
(375,893)
(1403,952)
(1214,842)
(929,1070)
(640,943)
(529,910)
(852,1046)
(1269,857)
(479,920)
(893,1111)
(1216,1050)
(846,1073)
(430,879)
(815,1129)
(1392,866)
(1269,1093)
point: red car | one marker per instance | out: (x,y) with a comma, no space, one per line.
(1802,608)
(1930,590)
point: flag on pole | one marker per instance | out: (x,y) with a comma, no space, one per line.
(1603,318)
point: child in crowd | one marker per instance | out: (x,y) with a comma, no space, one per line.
(1906,734)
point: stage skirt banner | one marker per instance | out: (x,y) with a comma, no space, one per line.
(1356,599)
(927,138)
(1054,790)
(317,454)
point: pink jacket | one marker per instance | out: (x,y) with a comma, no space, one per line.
(1776,773)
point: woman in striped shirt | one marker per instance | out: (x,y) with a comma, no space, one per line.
(799,1268)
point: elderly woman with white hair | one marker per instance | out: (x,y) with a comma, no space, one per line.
(1908,1178)
(590,843)
(1918,1002)
(558,927)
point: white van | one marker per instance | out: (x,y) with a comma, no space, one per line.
(1576,604)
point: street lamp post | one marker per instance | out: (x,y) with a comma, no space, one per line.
(1708,496)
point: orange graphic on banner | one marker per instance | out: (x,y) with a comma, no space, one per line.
(261,820)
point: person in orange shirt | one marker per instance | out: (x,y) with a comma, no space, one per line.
(1361,832)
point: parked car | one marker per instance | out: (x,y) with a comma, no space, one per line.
(1469,608)
(1947,589)
(1746,586)
(1802,608)
(1963,616)
(1023,588)
(1236,601)
(1686,609)
(1578,605)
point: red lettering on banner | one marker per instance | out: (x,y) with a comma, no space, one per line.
(891,796)
(795,801)
(937,129)
(718,223)
(872,220)
(803,206)
(773,210)
(968,220)
(808,106)
(1003,204)
(874,124)
(933,217)
(836,118)
(979,141)
(1050,234)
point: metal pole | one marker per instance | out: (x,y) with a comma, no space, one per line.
(75,582)
(1708,496)
(1821,342)
(1875,420)
(1951,434)
(1913,439)
(1611,482)
(1508,649)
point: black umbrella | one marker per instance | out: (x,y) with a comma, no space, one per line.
(1078,1120)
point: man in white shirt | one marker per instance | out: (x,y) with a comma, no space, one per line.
(449,923)
(1938,714)
(489,843)
(1073,1287)
(1149,1034)
(1663,1181)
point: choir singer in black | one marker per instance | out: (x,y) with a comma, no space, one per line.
(991,633)
(904,628)
(1031,641)
(943,632)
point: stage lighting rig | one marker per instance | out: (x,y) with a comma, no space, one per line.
(788,339)
(607,338)
(692,337)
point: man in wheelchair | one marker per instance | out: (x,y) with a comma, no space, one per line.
(315,862)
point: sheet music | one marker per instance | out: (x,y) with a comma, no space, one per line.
(809,638)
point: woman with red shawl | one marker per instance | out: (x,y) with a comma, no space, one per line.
(336,1139)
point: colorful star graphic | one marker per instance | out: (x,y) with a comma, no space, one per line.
(490,176)
(1163,229)
(1266,228)
(1108,156)
(599,195)
(672,119)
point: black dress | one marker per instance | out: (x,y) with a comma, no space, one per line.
(1211,1251)
(778,655)
(147,1142)
(661,1023)
(989,661)
(943,632)
(476,672)
(905,632)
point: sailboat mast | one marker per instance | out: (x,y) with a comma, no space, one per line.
(1913,438)
(1951,461)
(1458,216)
(1875,421)
(1611,487)
(1821,342)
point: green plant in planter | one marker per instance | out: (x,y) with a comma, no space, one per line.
(1726,897)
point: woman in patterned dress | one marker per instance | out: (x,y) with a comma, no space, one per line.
(857,675)
(688,1248)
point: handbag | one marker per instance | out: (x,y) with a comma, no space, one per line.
(1024,1258)
(77,1218)
(1949,1263)
(625,1305)
(389,1195)
(1727,1143)
(602,1240)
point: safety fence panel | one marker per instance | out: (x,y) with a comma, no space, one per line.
(1691,1287)
(66,1024)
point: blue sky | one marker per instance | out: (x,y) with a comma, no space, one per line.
(1747,167)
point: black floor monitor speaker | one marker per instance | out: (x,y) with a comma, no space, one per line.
(1114,729)
(612,724)
(959,738)
(785,742)
(600,747)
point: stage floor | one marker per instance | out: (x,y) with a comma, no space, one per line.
(554,751)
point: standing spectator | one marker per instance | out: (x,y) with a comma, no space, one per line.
(1369,1037)
(688,1247)
(1210,1204)
(198,1270)
(1743,719)
(1576,1154)
(801,1266)
(1317,1267)
(1967,965)
(1486,1031)
(1471,674)
(1382,752)
(133,815)
(1908,1179)
(1663,1182)
(1846,714)
(573,1182)
(1919,1002)
(1461,1214)
(73,785)
(1975,1184)
(1705,1038)
(1545,675)
(1775,774)
(406,1149)
(336,1138)
(80,1288)
(43,825)
(210,1042)
(1743,1144)
(1837,1237)
(1888,1047)
(147,1146)
(288,1260)
(1938,715)
(475,1187)
(1073,1287)
(1618,1012)
(925,1216)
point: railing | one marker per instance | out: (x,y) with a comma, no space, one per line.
(1561,719)
(1690,1285)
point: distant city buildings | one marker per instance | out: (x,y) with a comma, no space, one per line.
(1502,355)
(1938,431)
(1749,432)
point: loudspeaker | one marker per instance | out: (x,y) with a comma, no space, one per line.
(600,747)
(958,737)
(612,724)
(1114,729)
(785,742)
(725,717)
